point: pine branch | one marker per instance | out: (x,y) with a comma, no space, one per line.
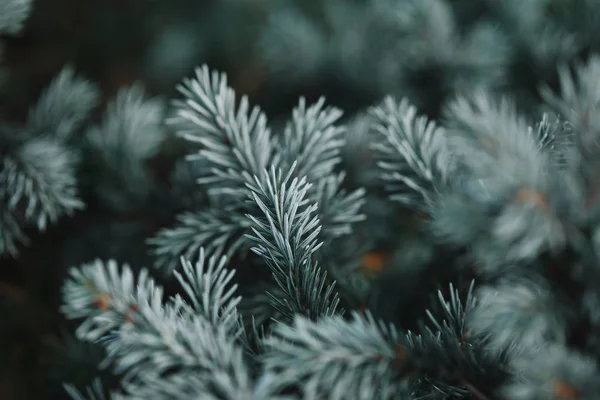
(38,169)
(95,391)
(411,154)
(132,125)
(447,360)
(166,350)
(219,231)
(13,14)
(235,140)
(577,102)
(507,205)
(312,141)
(37,180)
(338,209)
(64,106)
(337,358)
(518,315)
(11,233)
(257,306)
(554,373)
(210,291)
(286,238)
(555,136)
(237,146)
(118,149)
(484,131)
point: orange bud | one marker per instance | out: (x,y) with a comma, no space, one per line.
(129,317)
(562,390)
(400,352)
(525,195)
(373,261)
(102,301)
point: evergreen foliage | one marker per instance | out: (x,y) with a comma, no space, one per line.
(487,183)
(439,240)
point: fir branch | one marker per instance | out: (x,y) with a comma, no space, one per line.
(549,134)
(286,238)
(450,362)
(13,14)
(95,391)
(484,131)
(37,180)
(237,145)
(578,101)
(132,125)
(108,297)
(555,136)
(578,96)
(181,355)
(508,205)
(219,231)
(311,140)
(117,149)
(253,340)
(553,372)
(210,291)
(166,350)
(64,106)
(338,209)
(38,169)
(257,305)
(411,154)
(92,392)
(518,315)
(336,358)
(236,141)
(11,233)
(357,156)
